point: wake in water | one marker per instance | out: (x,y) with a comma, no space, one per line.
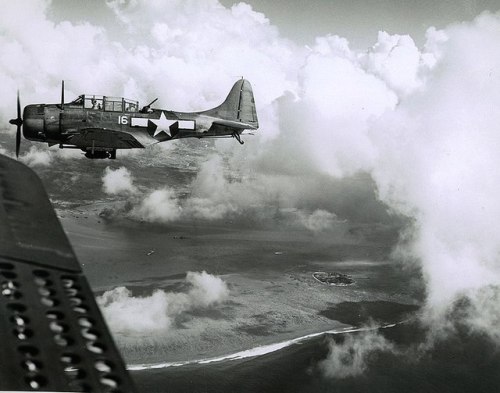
(257,351)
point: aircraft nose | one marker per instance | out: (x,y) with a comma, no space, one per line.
(33,123)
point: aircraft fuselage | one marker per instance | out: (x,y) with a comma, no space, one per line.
(48,123)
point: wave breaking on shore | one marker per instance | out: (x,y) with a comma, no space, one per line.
(260,350)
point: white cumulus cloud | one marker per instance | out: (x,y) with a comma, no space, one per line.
(118,181)
(142,315)
(317,221)
(36,157)
(350,358)
(158,206)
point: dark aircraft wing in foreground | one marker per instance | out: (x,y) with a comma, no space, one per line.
(53,336)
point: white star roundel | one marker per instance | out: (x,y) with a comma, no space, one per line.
(162,125)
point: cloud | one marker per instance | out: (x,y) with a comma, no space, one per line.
(118,181)
(36,157)
(140,316)
(397,61)
(185,50)
(351,357)
(214,195)
(159,206)
(317,221)
(125,313)
(483,313)
(435,165)
(424,124)
(207,289)
(4,152)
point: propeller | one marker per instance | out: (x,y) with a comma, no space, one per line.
(18,122)
(62,94)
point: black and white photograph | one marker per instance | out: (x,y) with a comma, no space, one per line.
(250,196)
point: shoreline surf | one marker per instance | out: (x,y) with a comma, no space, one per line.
(256,351)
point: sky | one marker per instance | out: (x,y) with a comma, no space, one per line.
(360,20)
(357,20)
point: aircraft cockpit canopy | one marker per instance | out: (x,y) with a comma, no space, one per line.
(105,103)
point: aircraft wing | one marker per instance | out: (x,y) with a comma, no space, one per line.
(53,336)
(103,137)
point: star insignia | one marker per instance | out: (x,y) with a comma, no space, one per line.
(162,125)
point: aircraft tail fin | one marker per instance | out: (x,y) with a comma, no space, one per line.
(239,105)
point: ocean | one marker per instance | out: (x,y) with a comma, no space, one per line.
(461,362)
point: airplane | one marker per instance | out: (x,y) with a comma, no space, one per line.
(100,125)
(54,337)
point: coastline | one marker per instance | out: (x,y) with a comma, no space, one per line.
(258,350)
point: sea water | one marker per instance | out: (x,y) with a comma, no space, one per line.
(462,362)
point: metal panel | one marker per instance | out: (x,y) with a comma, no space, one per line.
(29,229)
(53,335)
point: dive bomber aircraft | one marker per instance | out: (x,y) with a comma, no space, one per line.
(100,125)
